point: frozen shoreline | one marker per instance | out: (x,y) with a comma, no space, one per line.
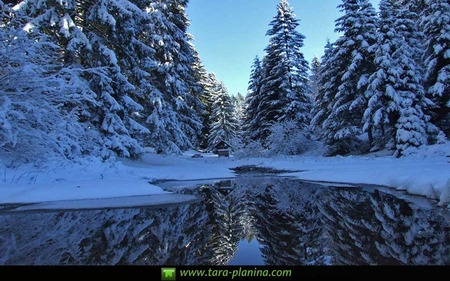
(426,175)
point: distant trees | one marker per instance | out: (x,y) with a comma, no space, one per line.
(238,102)
(315,77)
(223,121)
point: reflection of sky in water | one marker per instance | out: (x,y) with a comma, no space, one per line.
(248,253)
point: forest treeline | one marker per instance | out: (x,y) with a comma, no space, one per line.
(112,77)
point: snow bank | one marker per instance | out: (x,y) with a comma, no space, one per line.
(429,178)
(148,201)
(425,173)
(87,180)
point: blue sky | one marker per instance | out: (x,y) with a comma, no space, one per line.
(230,33)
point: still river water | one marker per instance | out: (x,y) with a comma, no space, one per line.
(245,221)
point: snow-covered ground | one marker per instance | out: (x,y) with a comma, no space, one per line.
(426,173)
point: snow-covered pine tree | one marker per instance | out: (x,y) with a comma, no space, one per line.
(253,99)
(238,102)
(98,36)
(200,92)
(314,77)
(354,54)
(137,57)
(115,31)
(209,84)
(417,7)
(285,89)
(172,119)
(40,99)
(223,123)
(190,118)
(395,93)
(328,79)
(436,26)
(211,93)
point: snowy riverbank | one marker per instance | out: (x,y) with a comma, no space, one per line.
(425,174)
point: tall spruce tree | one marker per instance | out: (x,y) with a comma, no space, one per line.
(395,94)
(355,56)
(327,85)
(172,118)
(284,91)
(253,101)
(436,26)
(184,68)
(200,92)
(223,123)
(209,84)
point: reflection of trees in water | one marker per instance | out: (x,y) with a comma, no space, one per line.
(378,228)
(289,224)
(350,230)
(294,222)
(175,235)
(227,211)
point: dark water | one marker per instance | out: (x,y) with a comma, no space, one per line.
(273,221)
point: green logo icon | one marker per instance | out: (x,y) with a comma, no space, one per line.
(168,274)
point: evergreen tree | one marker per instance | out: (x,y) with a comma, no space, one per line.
(327,85)
(209,85)
(223,123)
(436,25)
(172,118)
(417,7)
(138,59)
(201,93)
(40,99)
(355,56)
(96,35)
(252,110)
(395,93)
(315,77)
(238,102)
(284,91)
(191,122)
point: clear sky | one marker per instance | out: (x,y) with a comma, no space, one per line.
(230,33)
